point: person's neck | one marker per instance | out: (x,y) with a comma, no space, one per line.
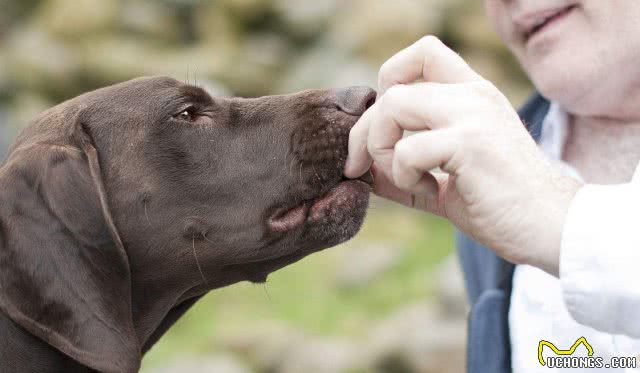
(604,150)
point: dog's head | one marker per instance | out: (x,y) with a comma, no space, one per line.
(153,187)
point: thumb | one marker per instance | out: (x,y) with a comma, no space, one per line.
(424,195)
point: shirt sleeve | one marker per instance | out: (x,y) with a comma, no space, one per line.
(600,258)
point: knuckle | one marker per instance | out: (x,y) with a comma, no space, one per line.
(398,168)
(375,149)
(482,86)
(393,96)
(385,73)
(390,100)
(404,154)
(488,91)
(430,41)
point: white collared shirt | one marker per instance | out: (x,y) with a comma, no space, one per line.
(598,293)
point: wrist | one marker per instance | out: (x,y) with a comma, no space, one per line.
(549,211)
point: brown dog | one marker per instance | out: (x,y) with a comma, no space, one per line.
(123,206)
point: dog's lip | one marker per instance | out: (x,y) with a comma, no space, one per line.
(287,219)
(292,217)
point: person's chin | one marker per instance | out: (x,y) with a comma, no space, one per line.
(573,89)
(561,75)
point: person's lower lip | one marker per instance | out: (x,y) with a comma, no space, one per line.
(552,23)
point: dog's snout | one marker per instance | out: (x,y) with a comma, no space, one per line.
(355,100)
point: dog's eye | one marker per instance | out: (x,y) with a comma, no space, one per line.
(186,115)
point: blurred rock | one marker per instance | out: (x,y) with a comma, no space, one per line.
(77,17)
(473,36)
(450,289)
(253,70)
(5,78)
(151,19)
(306,18)
(114,59)
(326,67)
(6,135)
(266,347)
(247,10)
(255,47)
(214,88)
(217,28)
(377,29)
(26,106)
(325,355)
(212,364)
(362,265)
(470,28)
(282,349)
(40,62)
(416,340)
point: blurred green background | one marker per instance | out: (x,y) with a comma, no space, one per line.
(390,300)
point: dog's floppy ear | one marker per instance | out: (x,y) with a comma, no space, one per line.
(64,273)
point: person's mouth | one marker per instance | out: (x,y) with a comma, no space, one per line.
(533,23)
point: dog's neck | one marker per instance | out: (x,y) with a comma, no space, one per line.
(160,299)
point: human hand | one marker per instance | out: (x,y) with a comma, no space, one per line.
(495,186)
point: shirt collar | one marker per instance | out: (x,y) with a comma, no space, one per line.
(555,129)
(554,132)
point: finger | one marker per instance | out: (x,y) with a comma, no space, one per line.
(417,107)
(427,59)
(401,108)
(358,158)
(425,196)
(420,153)
(383,186)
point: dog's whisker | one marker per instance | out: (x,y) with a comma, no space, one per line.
(300,173)
(195,255)
(315,172)
(286,160)
(146,213)
(290,168)
(204,236)
(266,291)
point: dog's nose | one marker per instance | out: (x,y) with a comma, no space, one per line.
(355,100)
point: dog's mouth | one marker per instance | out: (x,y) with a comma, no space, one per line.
(342,197)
